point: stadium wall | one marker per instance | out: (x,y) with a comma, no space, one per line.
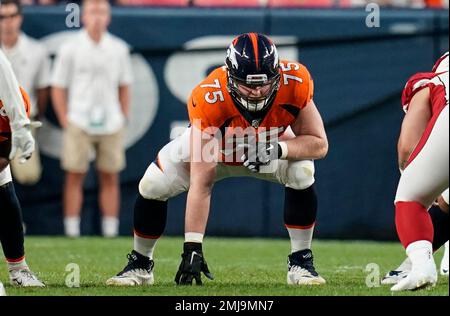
(359,73)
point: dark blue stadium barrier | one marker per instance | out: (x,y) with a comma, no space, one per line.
(359,73)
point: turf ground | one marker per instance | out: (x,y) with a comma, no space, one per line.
(255,267)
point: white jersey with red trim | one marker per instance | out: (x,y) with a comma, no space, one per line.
(437,81)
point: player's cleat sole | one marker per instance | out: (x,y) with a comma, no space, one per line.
(414,284)
(131,278)
(294,279)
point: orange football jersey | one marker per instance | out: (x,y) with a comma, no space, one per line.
(5,129)
(211,106)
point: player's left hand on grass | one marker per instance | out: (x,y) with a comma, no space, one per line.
(259,155)
(192,265)
(23,143)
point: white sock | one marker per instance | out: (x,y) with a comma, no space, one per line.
(145,246)
(110,226)
(72,226)
(300,238)
(420,252)
(193,237)
(18,265)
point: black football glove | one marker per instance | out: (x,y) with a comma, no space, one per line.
(259,155)
(192,264)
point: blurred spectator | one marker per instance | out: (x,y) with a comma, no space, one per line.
(398,3)
(91,80)
(32,71)
(264,3)
(437,3)
(47,2)
(39,2)
(302,3)
(179,3)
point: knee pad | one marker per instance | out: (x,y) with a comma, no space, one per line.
(159,185)
(300,174)
(153,185)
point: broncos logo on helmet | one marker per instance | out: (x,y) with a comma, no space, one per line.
(252,63)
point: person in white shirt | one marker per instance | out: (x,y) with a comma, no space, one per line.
(31,66)
(15,137)
(91,97)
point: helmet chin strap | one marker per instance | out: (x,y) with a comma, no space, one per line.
(254,107)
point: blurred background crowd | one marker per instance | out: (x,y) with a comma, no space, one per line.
(260,3)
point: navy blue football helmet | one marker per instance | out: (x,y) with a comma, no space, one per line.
(252,63)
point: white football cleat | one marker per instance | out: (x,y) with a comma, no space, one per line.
(395,276)
(24,278)
(134,277)
(301,269)
(444,262)
(417,280)
(423,273)
(2,290)
(139,271)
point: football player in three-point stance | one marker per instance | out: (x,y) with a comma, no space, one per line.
(423,158)
(15,138)
(258,115)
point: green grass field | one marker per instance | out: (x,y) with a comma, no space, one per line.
(243,267)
